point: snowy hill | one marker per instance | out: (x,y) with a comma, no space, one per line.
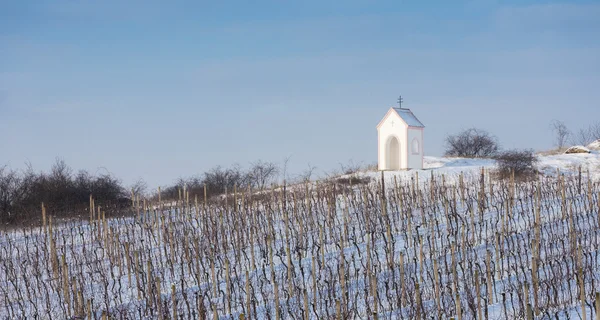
(594,145)
(453,167)
(445,246)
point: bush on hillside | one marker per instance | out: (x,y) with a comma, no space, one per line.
(472,143)
(219,179)
(586,135)
(522,162)
(63,193)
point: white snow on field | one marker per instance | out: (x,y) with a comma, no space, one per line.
(22,267)
(594,145)
(453,167)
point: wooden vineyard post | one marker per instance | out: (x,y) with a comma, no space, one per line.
(534,282)
(528,311)
(289,255)
(44,217)
(498,265)
(374,292)
(306,307)
(149,282)
(248,295)
(159,298)
(489,283)
(273,282)
(135,269)
(128,261)
(597,305)
(454,273)
(409,227)
(368,264)
(66,289)
(228,286)
(215,311)
(402,291)
(415,185)
(89,310)
(383,204)
(461,185)
(314,282)
(432,188)
(53,253)
(458,308)
(159,200)
(418,301)
(91,209)
(590,194)
(579,180)
(321,245)
(455,281)
(482,191)
(421,259)
(174,301)
(251,224)
(200,306)
(513,192)
(436,284)
(342,271)
(212,272)
(478,295)
(581,290)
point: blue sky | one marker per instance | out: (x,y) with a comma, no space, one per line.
(159,90)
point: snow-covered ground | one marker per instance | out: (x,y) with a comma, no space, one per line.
(453,167)
(438,244)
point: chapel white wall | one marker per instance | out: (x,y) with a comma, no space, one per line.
(415,161)
(385,132)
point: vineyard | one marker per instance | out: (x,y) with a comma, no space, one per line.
(430,244)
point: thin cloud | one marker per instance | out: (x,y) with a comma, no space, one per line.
(548,16)
(108,9)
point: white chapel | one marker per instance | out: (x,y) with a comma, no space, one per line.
(400,140)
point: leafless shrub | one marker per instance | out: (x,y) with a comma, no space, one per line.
(351,167)
(562,133)
(262,173)
(585,136)
(307,175)
(520,162)
(353,180)
(11,192)
(62,192)
(140,188)
(472,143)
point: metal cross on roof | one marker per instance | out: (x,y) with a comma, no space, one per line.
(400,100)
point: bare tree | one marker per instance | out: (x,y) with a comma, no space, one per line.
(10,185)
(218,179)
(286,161)
(306,175)
(140,188)
(587,135)
(351,167)
(562,133)
(594,131)
(472,143)
(261,173)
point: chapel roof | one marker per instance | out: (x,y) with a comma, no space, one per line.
(408,117)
